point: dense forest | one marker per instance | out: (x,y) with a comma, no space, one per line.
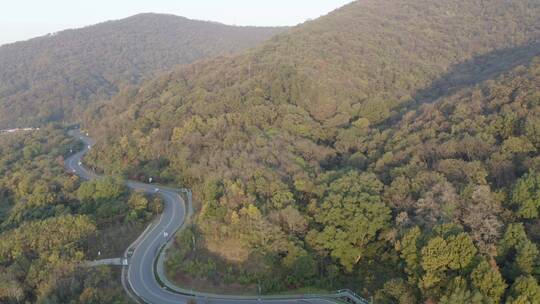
(390,147)
(52,78)
(51,222)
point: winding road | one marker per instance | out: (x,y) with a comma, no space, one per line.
(141,275)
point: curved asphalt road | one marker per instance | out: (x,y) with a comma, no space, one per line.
(141,275)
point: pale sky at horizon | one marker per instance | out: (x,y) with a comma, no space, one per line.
(25,19)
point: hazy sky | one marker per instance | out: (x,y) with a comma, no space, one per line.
(24,19)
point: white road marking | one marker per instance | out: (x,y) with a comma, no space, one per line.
(170,199)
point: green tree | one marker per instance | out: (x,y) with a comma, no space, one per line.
(461,250)
(396,291)
(441,255)
(525,290)
(461,295)
(138,202)
(513,236)
(489,282)
(526,257)
(86,191)
(282,199)
(517,145)
(526,196)
(109,188)
(518,254)
(302,266)
(532,130)
(156,205)
(409,248)
(213,190)
(435,260)
(352,214)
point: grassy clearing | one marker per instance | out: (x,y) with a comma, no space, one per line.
(113,240)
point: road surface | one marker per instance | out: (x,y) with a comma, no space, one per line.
(141,265)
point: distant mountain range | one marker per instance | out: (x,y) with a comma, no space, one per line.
(52,77)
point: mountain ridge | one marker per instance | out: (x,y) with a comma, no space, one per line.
(139,16)
(390,147)
(66,70)
(300,137)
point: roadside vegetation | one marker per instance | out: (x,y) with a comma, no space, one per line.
(51,221)
(442,205)
(388,148)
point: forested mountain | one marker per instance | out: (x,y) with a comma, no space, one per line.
(390,147)
(51,77)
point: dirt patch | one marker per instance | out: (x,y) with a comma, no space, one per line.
(231,250)
(213,285)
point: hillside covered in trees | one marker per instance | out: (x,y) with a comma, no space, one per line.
(390,147)
(53,77)
(51,222)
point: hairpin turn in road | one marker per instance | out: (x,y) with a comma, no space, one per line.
(142,277)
